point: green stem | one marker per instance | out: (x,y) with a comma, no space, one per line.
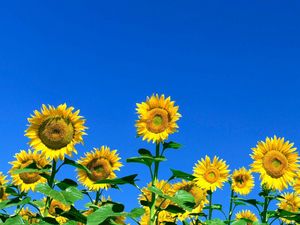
(154,179)
(51,183)
(230,207)
(264,218)
(98,193)
(210,204)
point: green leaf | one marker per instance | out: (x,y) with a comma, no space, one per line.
(239,222)
(182,175)
(143,151)
(72,194)
(146,159)
(29,170)
(14,202)
(214,206)
(136,212)
(75,215)
(67,183)
(101,214)
(253,202)
(71,222)
(48,191)
(118,181)
(77,165)
(215,222)
(16,220)
(171,144)
(11,191)
(174,209)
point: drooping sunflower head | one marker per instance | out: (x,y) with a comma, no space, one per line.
(102,162)
(211,174)
(28,216)
(157,118)
(55,209)
(249,216)
(28,180)
(242,181)
(55,131)
(198,193)
(290,201)
(277,162)
(165,187)
(163,217)
(3,182)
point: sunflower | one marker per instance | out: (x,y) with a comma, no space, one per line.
(55,131)
(28,180)
(55,208)
(247,215)
(296,184)
(211,175)
(163,217)
(242,181)
(277,162)
(198,193)
(28,216)
(3,182)
(290,201)
(102,163)
(165,187)
(157,118)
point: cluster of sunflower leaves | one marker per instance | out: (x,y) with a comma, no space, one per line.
(35,195)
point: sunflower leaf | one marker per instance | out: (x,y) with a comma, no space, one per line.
(101,214)
(146,159)
(136,212)
(215,222)
(74,214)
(171,144)
(118,181)
(143,151)
(77,165)
(63,185)
(14,220)
(181,175)
(14,202)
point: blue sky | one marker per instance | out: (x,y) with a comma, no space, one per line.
(232,67)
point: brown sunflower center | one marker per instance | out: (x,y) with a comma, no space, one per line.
(29,177)
(100,169)
(56,132)
(240,180)
(158,120)
(275,163)
(56,205)
(212,175)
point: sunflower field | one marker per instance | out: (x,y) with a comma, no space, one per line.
(184,198)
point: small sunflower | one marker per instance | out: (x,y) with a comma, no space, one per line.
(211,175)
(102,163)
(296,184)
(242,181)
(290,201)
(198,193)
(165,187)
(3,182)
(55,131)
(247,215)
(52,211)
(157,118)
(28,180)
(277,162)
(28,216)
(163,217)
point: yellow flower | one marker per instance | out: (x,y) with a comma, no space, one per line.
(28,216)
(290,202)
(28,180)
(242,181)
(3,182)
(165,187)
(55,131)
(296,184)
(246,214)
(211,175)
(276,161)
(102,163)
(163,217)
(198,193)
(55,205)
(157,118)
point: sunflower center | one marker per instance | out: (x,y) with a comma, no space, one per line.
(29,177)
(240,181)
(100,169)
(158,120)
(275,163)
(212,175)
(56,132)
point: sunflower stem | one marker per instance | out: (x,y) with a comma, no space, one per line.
(230,207)
(51,183)
(98,193)
(264,218)
(210,204)
(154,179)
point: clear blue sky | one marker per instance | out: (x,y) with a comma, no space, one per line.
(232,67)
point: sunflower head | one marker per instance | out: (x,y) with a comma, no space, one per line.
(165,187)
(198,193)
(242,181)
(55,131)
(211,174)
(163,217)
(277,162)
(28,180)
(102,162)
(289,202)
(54,210)
(247,215)
(3,182)
(157,118)
(28,216)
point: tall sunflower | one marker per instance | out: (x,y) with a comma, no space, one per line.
(290,201)
(198,193)
(211,175)
(28,180)
(55,131)
(157,118)
(242,181)
(247,215)
(3,182)
(102,162)
(277,162)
